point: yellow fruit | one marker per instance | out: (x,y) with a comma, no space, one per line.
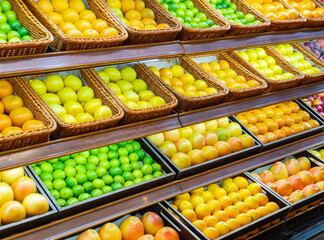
(77,5)
(147,13)
(74,33)
(70,15)
(155,70)
(212,187)
(127,5)
(222,228)
(60,5)
(99,25)
(82,25)
(197,190)
(133,14)
(185,205)
(189,214)
(114,3)
(87,15)
(218,193)
(109,32)
(65,26)
(202,210)
(177,71)
(251,202)
(211,90)
(207,195)
(214,205)
(184,196)
(241,182)
(139,5)
(166,72)
(90,33)
(196,200)
(45,6)
(243,219)
(56,18)
(254,188)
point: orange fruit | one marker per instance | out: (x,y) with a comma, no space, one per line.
(262,138)
(253,83)
(307,13)
(288,130)
(262,198)
(271,124)
(206,196)
(224,65)
(263,211)
(147,13)
(189,214)
(235,197)
(185,205)
(202,210)
(292,14)
(6,88)
(211,232)
(297,128)
(272,206)
(254,214)
(278,112)
(232,211)
(135,23)
(20,115)
(278,6)
(82,25)
(109,32)
(317,14)
(242,207)
(243,219)
(250,117)
(254,188)
(294,107)
(163,26)
(139,5)
(1,108)
(262,128)
(176,82)
(77,5)
(268,111)
(313,123)
(200,224)
(87,15)
(91,33)
(32,124)
(5,122)
(244,193)
(222,228)
(127,5)
(99,25)
(280,133)
(56,18)
(240,79)
(289,120)
(70,15)
(269,8)
(271,136)
(214,205)
(65,26)
(233,223)
(11,130)
(305,125)
(311,5)
(304,115)
(295,5)
(272,16)
(221,215)
(285,108)
(224,201)
(242,119)
(11,102)
(74,33)
(297,118)
(259,115)
(148,21)
(133,14)
(210,220)
(45,6)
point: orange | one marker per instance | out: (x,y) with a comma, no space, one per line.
(311,5)
(254,214)
(263,211)
(242,119)
(242,207)
(109,32)
(196,200)
(254,188)
(288,130)
(268,111)
(82,25)
(214,205)
(70,15)
(176,82)
(11,102)
(210,220)
(202,210)
(313,123)
(233,224)
(56,18)
(221,215)
(285,108)
(60,5)
(269,8)
(292,14)
(139,5)
(11,130)
(77,5)
(162,26)
(307,13)
(91,33)
(6,88)
(240,79)
(272,206)
(262,128)
(297,128)
(207,196)
(1,108)
(189,214)
(293,106)
(127,5)
(295,5)
(317,14)
(305,125)
(45,6)
(278,6)
(229,80)
(262,138)
(297,118)
(271,136)
(87,15)
(218,193)
(148,21)
(200,224)
(184,196)
(185,205)
(224,65)
(133,14)
(253,83)
(258,7)
(271,124)
(235,197)
(5,122)
(74,33)
(262,198)
(222,228)
(305,115)
(250,117)
(271,16)
(278,112)
(147,13)
(135,23)
(65,26)
(244,193)
(20,115)
(232,211)
(32,124)
(243,219)
(99,25)
(280,133)
(225,201)
(289,120)
(280,121)
(211,232)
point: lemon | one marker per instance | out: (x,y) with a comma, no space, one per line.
(114,87)
(124,85)
(155,70)
(131,96)
(144,104)
(139,85)
(60,5)
(38,86)
(114,3)
(177,71)
(73,108)
(211,90)
(244,55)
(146,95)
(51,98)
(92,105)
(200,85)
(85,93)
(68,118)
(102,112)
(53,83)
(122,98)
(187,78)
(84,117)
(157,101)
(104,76)
(72,81)
(77,5)
(241,182)
(67,94)
(132,105)
(128,74)
(113,74)
(70,15)
(58,109)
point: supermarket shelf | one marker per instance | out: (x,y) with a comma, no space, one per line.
(230,43)
(88,219)
(51,62)
(251,162)
(230,108)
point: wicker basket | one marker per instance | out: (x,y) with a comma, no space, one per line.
(189,103)
(201,33)
(309,78)
(137,115)
(71,129)
(237,29)
(30,137)
(136,36)
(41,37)
(234,94)
(274,85)
(63,42)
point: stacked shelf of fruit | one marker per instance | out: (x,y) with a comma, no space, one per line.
(243,19)
(145,21)
(203,146)
(296,179)
(316,103)
(140,97)
(316,47)
(23,203)
(235,207)
(75,101)
(76,181)
(279,123)
(77,24)
(319,154)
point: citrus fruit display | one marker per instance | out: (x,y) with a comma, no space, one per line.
(186,12)
(294,179)
(308,8)
(223,207)
(183,82)
(221,70)
(75,20)
(318,153)
(265,64)
(316,47)
(14,117)
(135,14)
(80,176)
(297,59)
(230,12)
(316,102)
(19,198)
(70,99)
(133,92)
(274,10)
(278,121)
(202,142)
(11,29)
(148,227)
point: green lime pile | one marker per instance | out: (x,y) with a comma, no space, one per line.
(229,11)
(11,29)
(81,176)
(187,13)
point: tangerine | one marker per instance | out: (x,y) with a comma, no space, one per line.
(20,115)
(6,88)
(5,122)
(11,130)
(271,136)
(32,125)
(221,215)
(109,32)
(90,33)
(262,138)
(11,102)
(87,15)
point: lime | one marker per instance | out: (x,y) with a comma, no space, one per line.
(59,174)
(202,16)
(209,22)
(117,186)
(112,155)
(37,170)
(3,18)
(61,202)
(64,158)
(148,160)
(72,201)
(101,171)
(173,6)
(58,166)
(6,6)
(103,149)
(187,20)
(85,153)
(91,175)
(137,174)
(126,167)
(107,189)
(81,178)
(249,18)
(113,147)
(124,160)
(189,4)
(90,166)
(84,196)
(74,155)
(11,15)
(80,169)
(147,177)
(88,187)
(46,176)
(128,176)
(194,25)
(59,184)
(54,160)
(48,184)
(94,151)
(134,157)
(77,190)
(108,180)
(147,169)
(157,174)
(98,183)
(165,5)
(71,182)
(96,193)
(138,180)
(129,183)
(105,164)
(55,194)
(129,147)
(121,144)
(93,159)
(47,167)
(102,156)
(122,152)
(70,171)
(195,11)
(136,165)
(15,25)
(156,167)
(80,160)
(70,162)
(140,153)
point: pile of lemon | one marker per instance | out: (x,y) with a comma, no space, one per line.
(135,14)
(74,20)
(184,83)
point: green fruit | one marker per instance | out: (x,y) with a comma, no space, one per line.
(72,201)
(84,196)
(71,182)
(11,15)
(5,27)
(46,176)
(88,187)
(3,18)
(55,194)
(107,189)
(58,166)
(117,186)
(26,38)
(77,190)
(59,174)
(85,93)
(108,180)
(15,25)
(53,83)
(61,202)
(6,6)
(46,167)
(96,193)
(59,184)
